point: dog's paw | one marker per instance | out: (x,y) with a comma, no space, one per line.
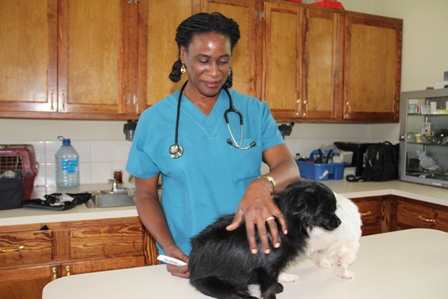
(344,273)
(287,278)
(324,263)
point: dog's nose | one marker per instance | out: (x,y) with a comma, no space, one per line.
(337,222)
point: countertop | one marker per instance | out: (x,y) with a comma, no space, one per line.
(398,264)
(425,193)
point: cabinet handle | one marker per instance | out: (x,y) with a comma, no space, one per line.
(427,219)
(368,213)
(128,99)
(51,99)
(55,274)
(63,100)
(347,109)
(305,103)
(135,99)
(299,107)
(68,270)
(18,249)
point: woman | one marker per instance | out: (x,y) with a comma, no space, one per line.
(212,168)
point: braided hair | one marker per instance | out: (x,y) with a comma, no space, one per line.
(204,23)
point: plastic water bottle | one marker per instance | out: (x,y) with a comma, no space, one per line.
(67,165)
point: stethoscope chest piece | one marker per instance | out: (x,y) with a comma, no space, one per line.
(176,151)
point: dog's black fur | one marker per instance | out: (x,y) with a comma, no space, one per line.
(221,264)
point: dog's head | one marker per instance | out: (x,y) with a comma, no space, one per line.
(313,203)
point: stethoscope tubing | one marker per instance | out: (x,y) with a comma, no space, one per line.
(176,150)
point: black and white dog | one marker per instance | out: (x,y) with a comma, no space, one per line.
(337,247)
(221,264)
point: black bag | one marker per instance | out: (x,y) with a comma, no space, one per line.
(382,161)
(11,193)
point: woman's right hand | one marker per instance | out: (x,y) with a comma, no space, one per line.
(179,271)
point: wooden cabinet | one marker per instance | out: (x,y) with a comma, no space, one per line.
(300,77)
(158,48)
(281,65)
(413,213)
(332,66)
(370,210)
(372,67)
(87,60)
(33,255)
(68,59)
(28,56)
(243,55)
(381,214)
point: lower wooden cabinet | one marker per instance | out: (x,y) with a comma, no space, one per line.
(413,213)
(370,210)
(33,255)
(381,214)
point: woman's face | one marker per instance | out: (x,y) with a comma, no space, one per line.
(208,60)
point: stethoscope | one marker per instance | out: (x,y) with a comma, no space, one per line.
(176,150)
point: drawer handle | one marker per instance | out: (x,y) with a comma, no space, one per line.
(18,249)
(366,214)
(427,219)
(68,270)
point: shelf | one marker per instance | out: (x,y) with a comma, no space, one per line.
(427,114)
(427,143)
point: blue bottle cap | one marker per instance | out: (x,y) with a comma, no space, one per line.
(65,141)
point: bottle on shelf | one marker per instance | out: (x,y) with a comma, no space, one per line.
(67,165)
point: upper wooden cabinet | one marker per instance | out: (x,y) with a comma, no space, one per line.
(243,56)
(67,58)
(158,50)
(372,67)
(28,55)
(86,60)
(281,65)
(301,61)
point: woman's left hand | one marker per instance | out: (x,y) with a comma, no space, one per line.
(257,208)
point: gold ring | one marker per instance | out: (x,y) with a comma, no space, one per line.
(270,218)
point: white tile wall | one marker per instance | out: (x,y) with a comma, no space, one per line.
(97,160)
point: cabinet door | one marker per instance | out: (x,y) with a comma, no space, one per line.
(415,214)
(243,56)
(92,53)
(26,282)
(158,49)
(101,241)
(97,265)
(28,247)
(322,59)
(28,56)
(282,49)
(372,67)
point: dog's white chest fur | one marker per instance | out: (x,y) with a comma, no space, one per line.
(337,247)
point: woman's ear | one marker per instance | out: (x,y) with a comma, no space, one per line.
(182,54)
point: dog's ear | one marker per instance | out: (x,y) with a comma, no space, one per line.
(304,213)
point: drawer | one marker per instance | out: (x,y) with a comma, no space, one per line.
(20,248)
(106,241)
(412,214)
(370,210)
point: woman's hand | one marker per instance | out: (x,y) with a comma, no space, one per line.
(179,271)
(257,208)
